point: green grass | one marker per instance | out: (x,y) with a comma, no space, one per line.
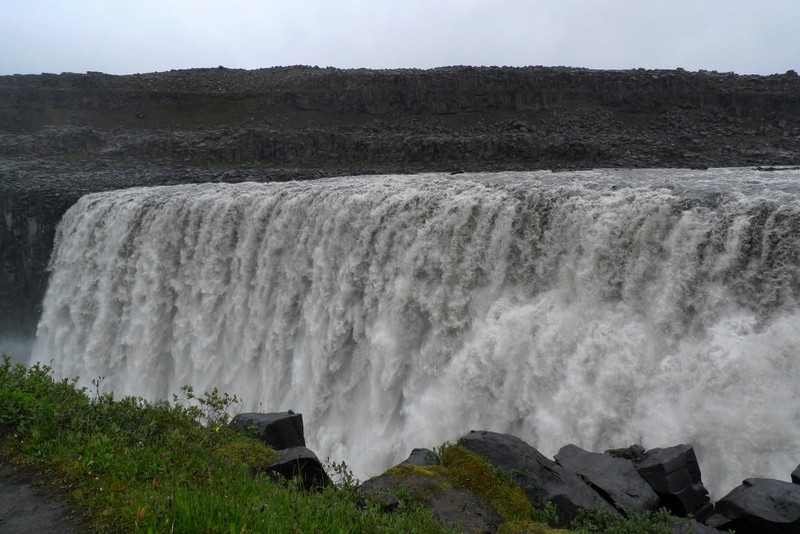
(151,467)
(135,466)
(601,521)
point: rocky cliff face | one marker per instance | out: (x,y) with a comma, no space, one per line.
(64,135)
(458,117)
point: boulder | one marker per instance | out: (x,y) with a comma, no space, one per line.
(796,475)
(541,479)
(279,430)
(453,506)
(422,457)
(615,479)
(674,474)
(758,506)
(300,462)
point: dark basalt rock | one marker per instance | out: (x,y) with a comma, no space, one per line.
(279,430)
(302,462)
(796,475)
(615,479)
(674,474)
(759,506)
(422,457)
(541,479)
(453,506)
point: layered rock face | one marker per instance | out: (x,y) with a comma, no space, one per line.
(448,118)
(65,135)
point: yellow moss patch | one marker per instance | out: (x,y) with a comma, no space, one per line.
(528,527)
(403,470)
(435,478)
(249,451)
(474,473)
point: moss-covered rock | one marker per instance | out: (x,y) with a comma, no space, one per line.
(451,504)
(255,454)
(464,492)
(474,473)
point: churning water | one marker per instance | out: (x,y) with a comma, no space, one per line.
(602,308)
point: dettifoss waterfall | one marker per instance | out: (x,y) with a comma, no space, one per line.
(601,308)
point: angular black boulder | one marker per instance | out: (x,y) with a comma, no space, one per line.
(796,475)
(615,479)
(674,474)
(759,506)
(541,479)
(302,462)
(279,430)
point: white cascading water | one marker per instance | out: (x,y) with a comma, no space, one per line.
(601,308)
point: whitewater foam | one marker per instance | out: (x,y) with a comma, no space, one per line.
(601,308)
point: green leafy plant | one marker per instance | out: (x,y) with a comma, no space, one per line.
(212,408)
(341,475)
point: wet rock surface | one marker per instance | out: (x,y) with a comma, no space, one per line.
(300,462)
(759,506)
(279,430)
(582,480)
(615,479)
(541,479)
(28,508)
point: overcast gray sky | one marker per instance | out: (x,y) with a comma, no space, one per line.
(128,36)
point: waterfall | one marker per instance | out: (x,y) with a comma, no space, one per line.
(601,308)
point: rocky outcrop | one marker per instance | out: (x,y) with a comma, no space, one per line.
(283,432)
(615,479)
(438,91)
(541,479)
(439,119)
(490,479)
(302,463)
(759,506)
(279,430)
(453,506)
(633,480)
(422,458)
(674,474)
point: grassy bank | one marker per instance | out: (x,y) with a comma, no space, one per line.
(150,467)
(135,466)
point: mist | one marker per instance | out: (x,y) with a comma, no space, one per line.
(16,347)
